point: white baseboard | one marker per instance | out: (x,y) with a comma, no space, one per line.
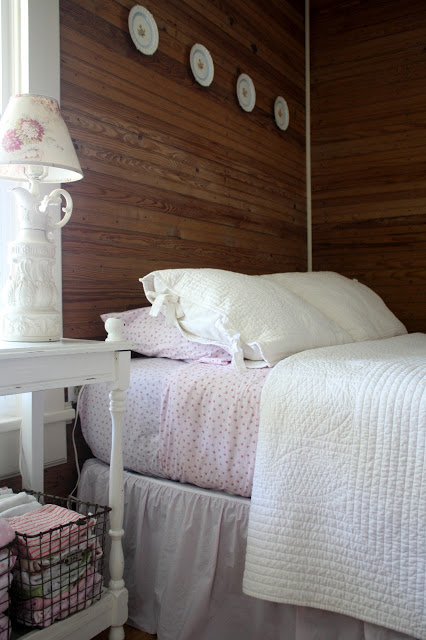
(55,442)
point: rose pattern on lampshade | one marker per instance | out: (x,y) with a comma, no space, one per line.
(33,131)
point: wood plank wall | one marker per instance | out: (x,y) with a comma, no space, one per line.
(369,147)
(175,174)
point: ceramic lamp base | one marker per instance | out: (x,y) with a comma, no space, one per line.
(30,295)
(31,326)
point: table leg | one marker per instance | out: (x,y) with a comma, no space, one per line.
(32,440)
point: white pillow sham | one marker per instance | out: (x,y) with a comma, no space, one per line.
(352,305)
(253,318)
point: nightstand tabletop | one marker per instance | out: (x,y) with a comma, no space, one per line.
(36,366)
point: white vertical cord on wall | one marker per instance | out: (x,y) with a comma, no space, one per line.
(308,137)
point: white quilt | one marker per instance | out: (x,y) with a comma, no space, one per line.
(338,510)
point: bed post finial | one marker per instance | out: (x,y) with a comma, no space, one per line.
(114,328)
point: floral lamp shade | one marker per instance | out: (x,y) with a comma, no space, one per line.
(33,133)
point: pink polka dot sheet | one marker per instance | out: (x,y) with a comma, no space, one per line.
(192,422)
(141,419)
(150,336)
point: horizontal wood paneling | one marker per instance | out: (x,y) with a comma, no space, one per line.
(175,174)
(369,147)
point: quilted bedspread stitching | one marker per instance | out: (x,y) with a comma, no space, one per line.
(338,511)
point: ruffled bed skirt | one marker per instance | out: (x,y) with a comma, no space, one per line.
(184,551)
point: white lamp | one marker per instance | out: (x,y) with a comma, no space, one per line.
(35,146)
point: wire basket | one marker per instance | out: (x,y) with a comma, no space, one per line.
(7,562)
(59,569)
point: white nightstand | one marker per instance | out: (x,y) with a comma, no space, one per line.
(32,368)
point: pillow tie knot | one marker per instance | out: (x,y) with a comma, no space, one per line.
(169,306)
(237,353)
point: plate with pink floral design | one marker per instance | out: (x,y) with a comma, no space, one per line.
(246,93)
(202,65)
(282,116)
(143,30)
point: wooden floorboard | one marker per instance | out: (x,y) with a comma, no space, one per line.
(131,634)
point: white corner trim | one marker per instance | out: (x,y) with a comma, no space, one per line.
(10,423)
(55,439)
(308,137)
(40,71)
(67,414)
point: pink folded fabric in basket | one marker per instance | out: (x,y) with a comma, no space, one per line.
(7,532)
(4,600)
(87,540)
(82,598)
(7,561)
(4,627)
(5,581)
(42,522)
(37,604)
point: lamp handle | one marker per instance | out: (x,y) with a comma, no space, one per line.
(55,198)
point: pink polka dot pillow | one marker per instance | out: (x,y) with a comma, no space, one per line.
(150,337)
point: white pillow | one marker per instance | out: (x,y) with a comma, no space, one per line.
(352,305)
(250,317)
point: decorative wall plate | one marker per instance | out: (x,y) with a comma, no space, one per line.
(143,30)
(202,65)
(282,116)
(246,92)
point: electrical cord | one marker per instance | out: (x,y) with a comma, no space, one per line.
(73,444)
(71,495)
(20,453)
